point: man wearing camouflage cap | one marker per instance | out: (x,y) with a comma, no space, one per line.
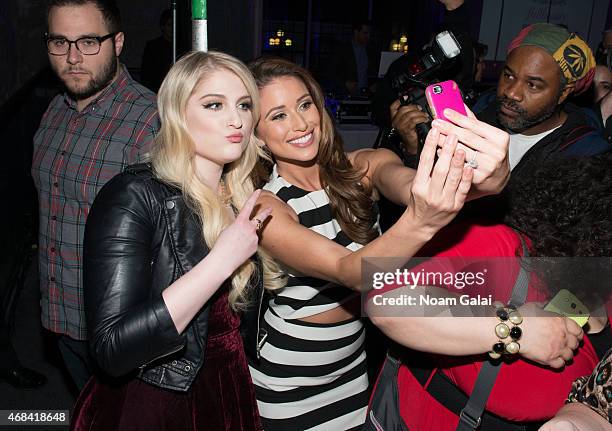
(545,64)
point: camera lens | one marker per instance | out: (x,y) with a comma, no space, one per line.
(437,89)
(573,305)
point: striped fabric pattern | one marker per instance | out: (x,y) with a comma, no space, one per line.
(75,154)
(310,376)
(306,296)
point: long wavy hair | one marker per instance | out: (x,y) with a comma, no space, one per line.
(173,155)
(349,200)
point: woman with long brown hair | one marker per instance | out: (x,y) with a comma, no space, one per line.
(311,370)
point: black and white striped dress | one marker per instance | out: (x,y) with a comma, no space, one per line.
(310,376)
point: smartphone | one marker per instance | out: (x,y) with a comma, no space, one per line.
(444,95)
(566,304)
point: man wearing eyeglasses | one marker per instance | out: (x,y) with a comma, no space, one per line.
(103,122)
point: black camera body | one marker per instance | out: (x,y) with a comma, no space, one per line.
(438,55)
(409,86)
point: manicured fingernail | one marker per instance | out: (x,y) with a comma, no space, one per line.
(449,112)
(438,123)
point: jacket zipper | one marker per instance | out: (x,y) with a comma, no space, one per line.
(161,356)
(375,422)
(260,340)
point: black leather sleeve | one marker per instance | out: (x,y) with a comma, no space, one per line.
(129,325)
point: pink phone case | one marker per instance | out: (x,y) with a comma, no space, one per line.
(444,95)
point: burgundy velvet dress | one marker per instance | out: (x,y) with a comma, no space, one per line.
(221,397)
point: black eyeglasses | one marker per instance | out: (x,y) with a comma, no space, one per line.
(88,45)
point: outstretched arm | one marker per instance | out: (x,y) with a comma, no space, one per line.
(486,145)
(548,338)
(438,192)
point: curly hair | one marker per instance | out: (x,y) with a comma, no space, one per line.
(565,208)
(349,200)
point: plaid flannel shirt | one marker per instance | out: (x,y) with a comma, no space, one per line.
(75,154)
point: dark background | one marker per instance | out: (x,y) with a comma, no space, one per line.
(240,27)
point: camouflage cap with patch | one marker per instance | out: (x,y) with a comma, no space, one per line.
(569,50)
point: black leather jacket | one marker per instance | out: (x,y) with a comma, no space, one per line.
(139,238)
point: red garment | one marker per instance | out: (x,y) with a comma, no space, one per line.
(221,397)
(523,391)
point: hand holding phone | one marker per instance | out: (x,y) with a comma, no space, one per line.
(566,304)
(444,95)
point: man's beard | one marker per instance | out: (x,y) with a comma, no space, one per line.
(96,83)
(523,120)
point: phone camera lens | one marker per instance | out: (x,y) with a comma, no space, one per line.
(437,89)
(573,305)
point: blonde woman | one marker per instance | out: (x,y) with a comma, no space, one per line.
(167,264)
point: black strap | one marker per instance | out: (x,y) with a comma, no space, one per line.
(443,390)
(470,416)
(519,291)
(384,409)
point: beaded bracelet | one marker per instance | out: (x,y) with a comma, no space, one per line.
(503,331)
